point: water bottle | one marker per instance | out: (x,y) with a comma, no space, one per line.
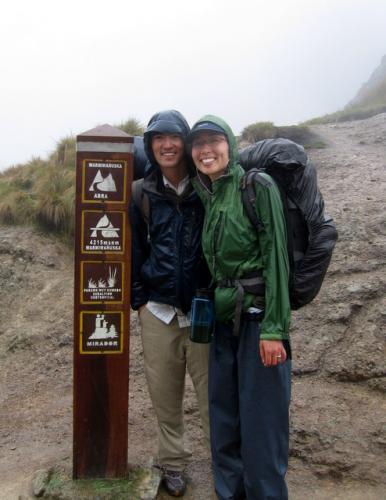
(202,319)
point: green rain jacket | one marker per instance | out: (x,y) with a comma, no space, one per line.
(233,248)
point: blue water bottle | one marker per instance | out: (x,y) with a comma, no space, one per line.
(202,319)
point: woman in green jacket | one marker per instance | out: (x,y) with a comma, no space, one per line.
(250,368)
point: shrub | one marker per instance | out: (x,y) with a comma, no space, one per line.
(132,127)
(7,215)
(267,130)
(65,152)
(55,205)
(16,208)
(258,131)
(52,214)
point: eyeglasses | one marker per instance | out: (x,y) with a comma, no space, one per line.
(212,142)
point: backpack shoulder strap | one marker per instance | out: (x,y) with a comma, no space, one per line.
(141,199)
(248,194)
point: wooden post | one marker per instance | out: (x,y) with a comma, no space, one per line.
(104,171)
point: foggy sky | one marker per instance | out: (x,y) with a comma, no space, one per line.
(69,66)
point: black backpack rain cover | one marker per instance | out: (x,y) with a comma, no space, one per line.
(311,234)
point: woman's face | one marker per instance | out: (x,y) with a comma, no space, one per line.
(210,153)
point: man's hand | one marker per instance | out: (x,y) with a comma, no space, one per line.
(272,352)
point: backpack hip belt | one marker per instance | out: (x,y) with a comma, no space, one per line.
(252,284)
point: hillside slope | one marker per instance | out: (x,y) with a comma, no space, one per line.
(373,92)
(338,433)
(369,101)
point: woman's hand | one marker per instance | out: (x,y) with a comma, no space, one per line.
(272,352)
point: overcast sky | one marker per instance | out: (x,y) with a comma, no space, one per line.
(67,66)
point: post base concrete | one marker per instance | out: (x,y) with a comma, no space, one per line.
(141,483)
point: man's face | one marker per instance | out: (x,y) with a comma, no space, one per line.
(168,150)
(210,153)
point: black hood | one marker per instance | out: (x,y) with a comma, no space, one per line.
(164,122)
(142,165)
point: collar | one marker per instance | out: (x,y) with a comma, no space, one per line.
(181,185)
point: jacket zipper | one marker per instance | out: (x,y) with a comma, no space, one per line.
(179,253)
(217,234)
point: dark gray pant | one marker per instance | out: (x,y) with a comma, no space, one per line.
(248,411)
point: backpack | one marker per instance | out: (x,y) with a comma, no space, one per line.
(141,199)
(142,202)
(311,234)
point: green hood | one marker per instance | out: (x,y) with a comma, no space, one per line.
(233,151)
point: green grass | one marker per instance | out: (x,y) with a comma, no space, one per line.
(57,484)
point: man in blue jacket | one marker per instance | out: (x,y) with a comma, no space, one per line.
(167,268)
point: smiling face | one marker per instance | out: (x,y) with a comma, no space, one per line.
(168,150)
(210,153)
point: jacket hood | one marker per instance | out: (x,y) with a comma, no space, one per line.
(164,122)
(142,165)
(233,151)
(219,122)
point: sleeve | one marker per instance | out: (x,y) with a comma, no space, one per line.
(140,250)
(273,246)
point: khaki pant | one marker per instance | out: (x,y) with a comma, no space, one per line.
(168,352)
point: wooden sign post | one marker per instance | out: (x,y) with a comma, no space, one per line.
(104,171)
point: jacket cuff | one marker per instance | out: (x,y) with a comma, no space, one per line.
(137,306)
(138,299)
(273,336)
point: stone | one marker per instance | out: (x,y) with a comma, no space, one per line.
(39,482)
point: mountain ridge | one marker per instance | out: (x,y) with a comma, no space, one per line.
(375,84)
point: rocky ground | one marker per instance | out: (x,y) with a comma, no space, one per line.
(338,437)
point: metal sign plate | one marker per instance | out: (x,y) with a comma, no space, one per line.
(101,332)
(104,181)
(101,281)
(103,232)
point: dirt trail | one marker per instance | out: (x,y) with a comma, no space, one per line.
(338,436)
